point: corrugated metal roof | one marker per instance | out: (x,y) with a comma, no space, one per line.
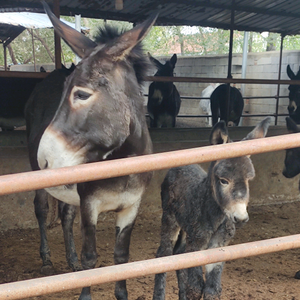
(282,16)
(13,23)
(28,20)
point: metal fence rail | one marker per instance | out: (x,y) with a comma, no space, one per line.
(34,180)
(69,281)
(46,178)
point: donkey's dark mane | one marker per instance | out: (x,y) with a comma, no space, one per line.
(137,57)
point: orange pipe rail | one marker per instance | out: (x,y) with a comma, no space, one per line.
(28,181)
(57,283)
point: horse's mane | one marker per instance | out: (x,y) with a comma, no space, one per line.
(137,56)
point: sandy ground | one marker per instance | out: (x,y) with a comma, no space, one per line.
(262,277)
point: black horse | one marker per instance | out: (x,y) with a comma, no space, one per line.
(218,105)
(163,97)
(97,114)
(294,96)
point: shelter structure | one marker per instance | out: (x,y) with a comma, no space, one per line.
(280,16)
(13,24)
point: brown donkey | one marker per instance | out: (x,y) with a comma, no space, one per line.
(98,115)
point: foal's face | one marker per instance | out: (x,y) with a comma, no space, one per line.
(231,186)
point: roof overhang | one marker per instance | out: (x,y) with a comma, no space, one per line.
(279,16)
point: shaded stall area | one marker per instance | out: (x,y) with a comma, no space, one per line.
(274,203)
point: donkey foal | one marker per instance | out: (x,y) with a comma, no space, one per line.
(201,210)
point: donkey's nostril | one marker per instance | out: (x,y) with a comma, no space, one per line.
(46,164)
(237,220)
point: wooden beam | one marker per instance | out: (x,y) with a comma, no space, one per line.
(57,41)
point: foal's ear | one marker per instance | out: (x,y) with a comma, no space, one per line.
(219,134)
(78,42)
(124,44)
(158,64)
(260,130)
(291,125)
(290,73)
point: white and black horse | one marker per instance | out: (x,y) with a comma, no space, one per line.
(163,97)
(219,109)
(96,115)
(294,96)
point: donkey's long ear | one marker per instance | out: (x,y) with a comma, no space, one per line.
(158,64)
(123,45)
(290,73)
(173,60)
(219,134)
(291,125)
(260,130)
(78,42)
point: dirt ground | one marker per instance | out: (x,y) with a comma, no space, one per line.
(262,277)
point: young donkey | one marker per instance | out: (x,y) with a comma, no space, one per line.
(98,117)
(163,97)
(201,211)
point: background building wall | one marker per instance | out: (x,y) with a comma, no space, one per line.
(259,66)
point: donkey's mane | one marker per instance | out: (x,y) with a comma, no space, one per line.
(137,57)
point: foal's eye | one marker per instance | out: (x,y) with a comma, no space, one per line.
(81,95)
(224,181)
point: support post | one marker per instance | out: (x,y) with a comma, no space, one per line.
(33,51)
(78,28)
(279,76)
(5,57)
(57,41)
(229,76)
(244,64)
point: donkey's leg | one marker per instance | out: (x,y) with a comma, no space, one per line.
(214,110)
(181,274)
(41,211)
(195,282)
(124,225)
(67,215)
(221,238)
(169,235)
(89,252)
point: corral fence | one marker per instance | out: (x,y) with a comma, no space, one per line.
(28,181)
(275,114)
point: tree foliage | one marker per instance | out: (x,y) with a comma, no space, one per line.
(160,41)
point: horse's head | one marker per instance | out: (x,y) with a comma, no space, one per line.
(294,95)
(166,69)
(101,104)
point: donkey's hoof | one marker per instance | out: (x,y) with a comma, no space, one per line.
(47,269)
(297,275)
(76,267)
(85,294)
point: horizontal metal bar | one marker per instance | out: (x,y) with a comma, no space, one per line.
(57,283)
(221,80)
(245,97)
(17,74)
(11,74)
(250,115)
(27,181)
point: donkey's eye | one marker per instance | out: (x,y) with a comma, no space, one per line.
(81,95)
(224,181)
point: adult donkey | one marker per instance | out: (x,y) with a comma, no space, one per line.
(294,96)
(219,109)
(99,117)
(163,97)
